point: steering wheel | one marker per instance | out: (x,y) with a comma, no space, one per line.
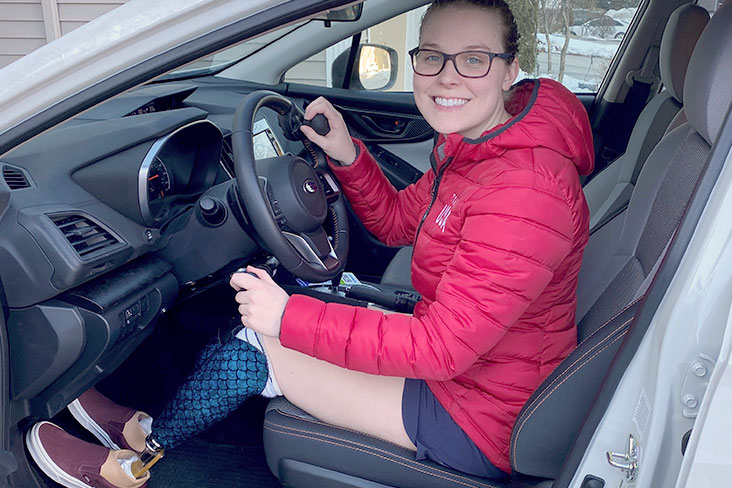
(286,200)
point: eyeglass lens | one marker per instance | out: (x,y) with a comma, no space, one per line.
(469,63)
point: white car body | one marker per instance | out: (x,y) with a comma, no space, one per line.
(604,27)
(124,37)
(693,318)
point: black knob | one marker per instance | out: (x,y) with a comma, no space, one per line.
(319,124)
(212,211)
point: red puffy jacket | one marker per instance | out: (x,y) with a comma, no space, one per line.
(498,226)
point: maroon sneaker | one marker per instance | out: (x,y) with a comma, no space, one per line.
(116,426)
(75,463)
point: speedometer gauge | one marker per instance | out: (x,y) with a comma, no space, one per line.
(158,180)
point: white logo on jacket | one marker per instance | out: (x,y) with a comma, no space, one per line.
(441,219)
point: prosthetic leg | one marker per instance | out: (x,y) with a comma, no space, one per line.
(228,372)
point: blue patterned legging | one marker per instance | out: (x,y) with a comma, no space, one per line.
(225,375)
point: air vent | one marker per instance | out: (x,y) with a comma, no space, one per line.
(88,238)
(15,178)
(227,156)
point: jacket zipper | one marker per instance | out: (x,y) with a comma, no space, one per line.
(435,188)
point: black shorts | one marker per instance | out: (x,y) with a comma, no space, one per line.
(437,436)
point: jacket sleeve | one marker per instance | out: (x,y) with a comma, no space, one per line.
(514,238)
(391,215)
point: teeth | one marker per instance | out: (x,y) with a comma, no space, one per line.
(450,102)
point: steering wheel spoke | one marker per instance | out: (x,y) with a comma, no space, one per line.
(330,186)
(314,247)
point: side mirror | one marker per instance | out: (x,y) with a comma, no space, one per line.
(375,68)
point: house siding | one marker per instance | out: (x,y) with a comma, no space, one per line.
(26,25)
(21,29)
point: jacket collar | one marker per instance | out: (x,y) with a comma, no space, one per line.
(544,114)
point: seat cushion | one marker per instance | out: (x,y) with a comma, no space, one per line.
(295,441)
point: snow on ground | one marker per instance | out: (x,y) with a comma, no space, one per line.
(523,74)
(581,47)
(574,85)
(626,14)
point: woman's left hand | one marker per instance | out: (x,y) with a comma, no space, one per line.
(261,301)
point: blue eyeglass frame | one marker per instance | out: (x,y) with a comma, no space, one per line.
(451,57)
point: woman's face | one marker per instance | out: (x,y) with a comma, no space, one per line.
(449,102)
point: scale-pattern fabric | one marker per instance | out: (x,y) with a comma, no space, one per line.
(496,258)
(225,375)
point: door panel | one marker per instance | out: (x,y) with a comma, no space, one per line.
(387,122)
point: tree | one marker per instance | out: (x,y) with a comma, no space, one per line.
(566,16)
(552,21)
(526,13)
(543,8)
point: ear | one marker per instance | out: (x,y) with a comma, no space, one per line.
(511,74)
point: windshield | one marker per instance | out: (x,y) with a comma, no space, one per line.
(220,60)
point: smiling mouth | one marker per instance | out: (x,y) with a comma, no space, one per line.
(450,102)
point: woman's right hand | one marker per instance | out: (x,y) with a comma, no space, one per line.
(337,143)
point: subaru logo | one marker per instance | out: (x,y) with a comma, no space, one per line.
(310,187)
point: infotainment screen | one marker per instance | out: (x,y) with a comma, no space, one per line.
(265,143)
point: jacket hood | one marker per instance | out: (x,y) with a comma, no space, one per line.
(545,114)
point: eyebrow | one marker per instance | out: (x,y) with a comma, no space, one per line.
(471,47)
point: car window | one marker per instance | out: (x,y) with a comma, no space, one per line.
(572,41)
(710,5)
(399,33)
(228,56)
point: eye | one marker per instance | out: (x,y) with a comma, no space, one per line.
(431,58)
(473,60)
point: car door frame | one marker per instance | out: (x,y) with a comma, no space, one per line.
(8,462)
(94,84)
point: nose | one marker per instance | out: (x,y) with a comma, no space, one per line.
(449,74)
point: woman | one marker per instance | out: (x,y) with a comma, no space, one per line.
(498,226)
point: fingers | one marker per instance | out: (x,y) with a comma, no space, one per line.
(312,135)
(261,274)
(320,106)
(261,302)
(335,119)
(337,143)
(243,281)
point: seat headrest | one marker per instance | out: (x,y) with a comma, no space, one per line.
(708,86)
(682,31)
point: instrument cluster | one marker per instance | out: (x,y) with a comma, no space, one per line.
(177,169)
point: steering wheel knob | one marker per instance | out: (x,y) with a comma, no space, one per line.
(319,124)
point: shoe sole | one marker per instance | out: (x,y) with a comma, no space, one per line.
(78,412)
(44,461)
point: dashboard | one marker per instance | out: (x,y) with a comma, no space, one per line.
(101,225)
(121,181)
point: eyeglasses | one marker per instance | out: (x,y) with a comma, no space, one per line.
(468,64)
